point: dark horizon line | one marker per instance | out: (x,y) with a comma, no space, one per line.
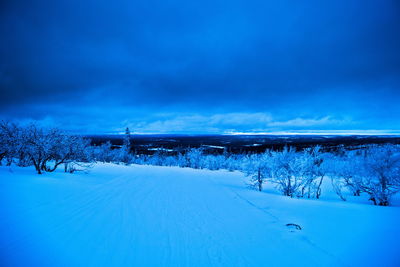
(247,134)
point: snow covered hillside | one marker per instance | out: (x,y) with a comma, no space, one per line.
(168,216)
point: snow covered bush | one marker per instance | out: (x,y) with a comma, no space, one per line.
(380,175)
(345,170)
(233,162)
(258,168)
(105,153)
(311,166)
(374,170)
(195,158)
(213,162)
(297,174)
(287,171)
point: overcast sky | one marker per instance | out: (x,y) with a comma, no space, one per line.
(202,66)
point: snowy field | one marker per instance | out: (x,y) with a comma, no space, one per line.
(169,216)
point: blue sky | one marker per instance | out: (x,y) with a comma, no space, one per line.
(202,67)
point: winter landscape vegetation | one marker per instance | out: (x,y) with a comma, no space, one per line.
(205,133)
(67,201)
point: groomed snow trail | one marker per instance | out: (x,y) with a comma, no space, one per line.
(145,216)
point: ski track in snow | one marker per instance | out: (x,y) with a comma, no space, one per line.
(145,216)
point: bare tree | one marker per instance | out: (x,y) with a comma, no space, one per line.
(49,148)
(10,142)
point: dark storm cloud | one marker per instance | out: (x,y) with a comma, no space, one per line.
(91,58)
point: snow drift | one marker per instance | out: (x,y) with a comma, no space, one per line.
(168,216)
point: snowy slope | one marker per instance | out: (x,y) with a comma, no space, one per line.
(166,216)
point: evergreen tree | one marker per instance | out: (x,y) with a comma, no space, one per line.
(125,155)
(127,140)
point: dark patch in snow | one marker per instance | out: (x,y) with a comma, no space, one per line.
(293,226)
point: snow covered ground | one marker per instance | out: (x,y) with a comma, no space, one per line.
(168,216)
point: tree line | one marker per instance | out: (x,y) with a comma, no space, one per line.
(373,170)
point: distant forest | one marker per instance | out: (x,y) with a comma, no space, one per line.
(238,144)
